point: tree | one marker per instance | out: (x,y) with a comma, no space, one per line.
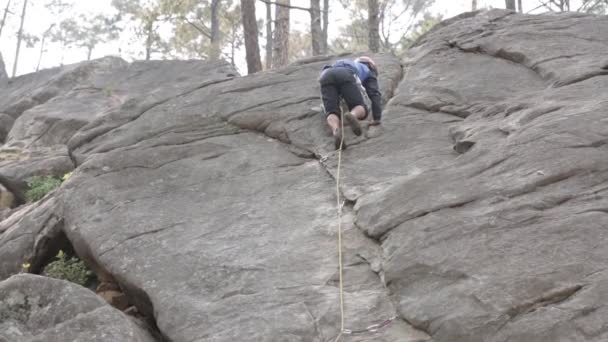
(250,30)
(202,28)
(235,35)
(146,15)
(563,5)
(353,37)
(316,33)
(325,25)
(149,30)
(373,25)
(281,35)
(402,14)
(299,45)
(520,8)
(6,10)
(474,5)
(510,4)
(215,31)
(64,34)
(19,38)
(421,27)
(397,18)
(268,35)
(58,7)
(587,6)
(95,30)
(45,35)
(594,6)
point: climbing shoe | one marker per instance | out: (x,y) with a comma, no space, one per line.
(338,139)
(354,123)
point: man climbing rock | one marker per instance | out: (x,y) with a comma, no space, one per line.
(345,79)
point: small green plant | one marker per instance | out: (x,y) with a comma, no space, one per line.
(40,186)
(107,90)
(70,269)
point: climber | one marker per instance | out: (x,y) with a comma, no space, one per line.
(343,79)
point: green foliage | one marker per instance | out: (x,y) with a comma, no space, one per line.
(70,269)
(423,26)
(57,7)
(40,186)
(594,6)
(354,36)
(107,90)
(65,33)
(30,40)
(86,33)
(192,28)
(96,30)
(146,16)
(398,19)
(299,45)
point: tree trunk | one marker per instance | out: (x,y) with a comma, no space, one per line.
(89,52)
(149,39)
(8,4)
(3,74)
(316,34)
(325,25)
(566,5)
(215,31)
(233,45)
(63,48)
(19,38)
(281,35)
(520,7)
(268,36)
(474,5)
(510,4)
(41,52)
(250,31)
(373,26)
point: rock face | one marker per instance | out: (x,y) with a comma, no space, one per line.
(35,308)
(475,213)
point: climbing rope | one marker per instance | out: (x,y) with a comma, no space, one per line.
(340,205)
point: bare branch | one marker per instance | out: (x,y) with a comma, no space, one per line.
(559,5)
(589,6)
(408,28)
(307,9)
(203,30)
(542,4)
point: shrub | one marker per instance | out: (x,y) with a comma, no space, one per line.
(70,269)
(40,186)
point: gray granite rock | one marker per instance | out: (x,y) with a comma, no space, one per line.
(37,309)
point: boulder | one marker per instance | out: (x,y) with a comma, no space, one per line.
(35,308)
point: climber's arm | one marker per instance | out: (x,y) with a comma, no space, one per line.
(373,91)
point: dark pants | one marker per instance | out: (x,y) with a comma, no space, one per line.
(340,82)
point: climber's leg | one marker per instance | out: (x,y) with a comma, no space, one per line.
(331,103)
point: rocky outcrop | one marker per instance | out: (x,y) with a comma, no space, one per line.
(474,213)
(502,241)
(35,308)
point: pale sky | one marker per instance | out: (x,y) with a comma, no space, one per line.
(38,20)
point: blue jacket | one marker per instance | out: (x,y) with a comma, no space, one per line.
(360,69)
